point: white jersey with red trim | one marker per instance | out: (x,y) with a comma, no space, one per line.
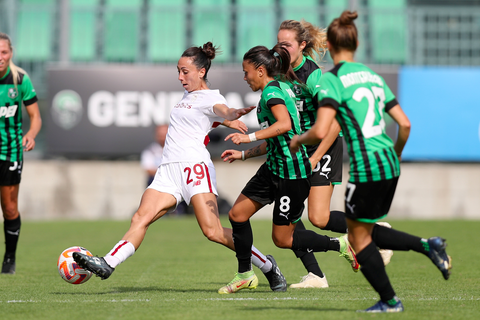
(190,122)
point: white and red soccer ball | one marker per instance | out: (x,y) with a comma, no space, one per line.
(69,270)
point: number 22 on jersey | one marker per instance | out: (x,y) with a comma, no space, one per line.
(369,129)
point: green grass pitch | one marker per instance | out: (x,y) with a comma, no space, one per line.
(176,274)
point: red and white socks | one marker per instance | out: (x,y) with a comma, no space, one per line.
(120,252)
(260,261)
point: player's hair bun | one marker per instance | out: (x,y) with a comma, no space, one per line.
(209,49)
(347,17)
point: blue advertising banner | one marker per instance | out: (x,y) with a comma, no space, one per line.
(443,106)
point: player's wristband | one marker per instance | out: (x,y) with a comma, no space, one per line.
(243,155)
(252,137)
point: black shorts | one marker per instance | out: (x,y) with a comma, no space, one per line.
(288,195)
(329,168)
(10,173)
(369,201)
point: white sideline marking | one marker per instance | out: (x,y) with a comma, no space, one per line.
(245,299)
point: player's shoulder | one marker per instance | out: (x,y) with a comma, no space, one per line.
(309,69)
(22,77)
(213,94)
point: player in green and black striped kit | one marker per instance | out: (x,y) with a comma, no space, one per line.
(15,89)
(283,178)
(305,42)
(358,98)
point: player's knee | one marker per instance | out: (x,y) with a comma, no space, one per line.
(236,216)
(282,242)
(10,212)
(140,220)
(317,220)
(212,234)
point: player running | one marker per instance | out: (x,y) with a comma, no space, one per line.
(357,97)
(283,178)
(186,171)
(305,43)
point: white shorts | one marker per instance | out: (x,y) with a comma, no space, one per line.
(183,180)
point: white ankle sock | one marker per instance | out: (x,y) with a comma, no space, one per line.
(120,252)
(260,261)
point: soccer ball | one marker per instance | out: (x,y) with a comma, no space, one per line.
(69,270)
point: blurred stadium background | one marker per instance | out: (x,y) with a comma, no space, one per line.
(105,74)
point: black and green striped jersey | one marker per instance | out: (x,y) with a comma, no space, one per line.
(307,93)
(280,160)
(361,97)
(11,99)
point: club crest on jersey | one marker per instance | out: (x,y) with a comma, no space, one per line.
(12,93)
(297,89)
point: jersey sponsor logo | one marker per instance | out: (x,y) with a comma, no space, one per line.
(12,93)
(360,77)
(197,183)
(271,93)
(67,109)
(324,91)
(8,112)
(183,106)
(299,105)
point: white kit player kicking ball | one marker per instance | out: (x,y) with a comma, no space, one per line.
(186,171)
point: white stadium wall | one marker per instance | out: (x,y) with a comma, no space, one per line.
(91,190)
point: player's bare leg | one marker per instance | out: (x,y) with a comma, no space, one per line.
(153,206)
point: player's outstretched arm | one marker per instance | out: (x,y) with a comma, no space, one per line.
(236,125)
(232,155)
(225,112)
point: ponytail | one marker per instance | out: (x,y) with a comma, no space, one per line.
(276,61)
(342,32)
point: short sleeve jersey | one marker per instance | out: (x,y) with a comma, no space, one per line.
(306,94)
(361,97)
(11,99)
(190,122)
(280,161)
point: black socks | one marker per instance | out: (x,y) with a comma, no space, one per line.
(308,258)
(309,241)
(371,265)
(243,240)
(11,229)
(337,222)
(387,238)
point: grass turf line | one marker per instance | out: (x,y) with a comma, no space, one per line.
(176,274)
